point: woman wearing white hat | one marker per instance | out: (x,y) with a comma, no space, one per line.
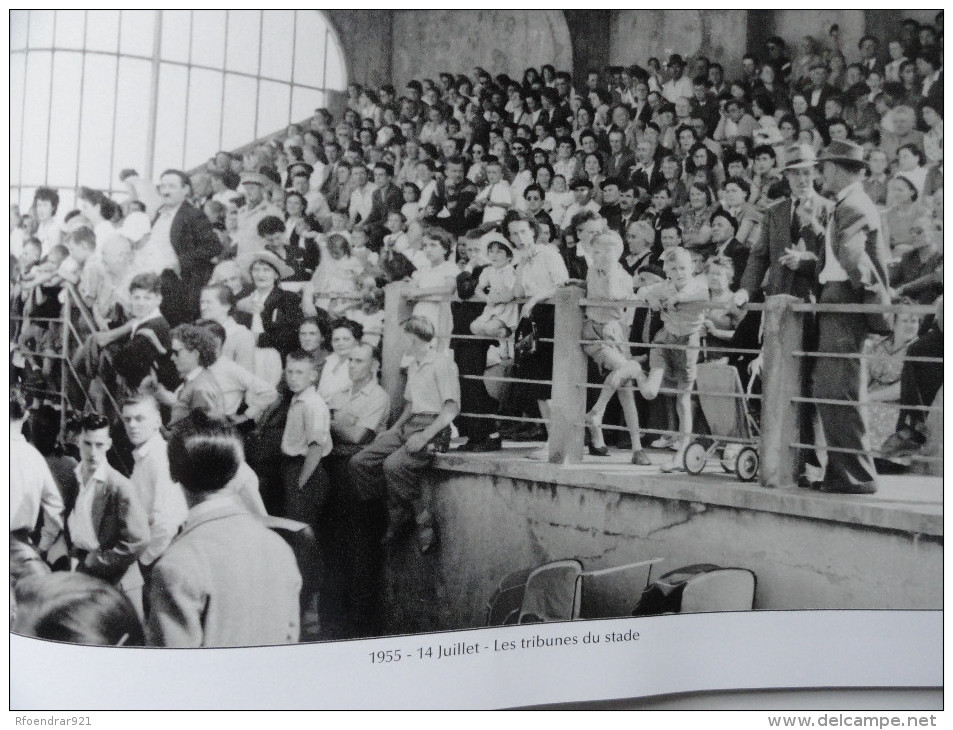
(276,313)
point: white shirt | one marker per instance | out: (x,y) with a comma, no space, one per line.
(673,89)
(238,384)
(161,239)
(81,529)
(49,233)
(163,499)
(33,488)
(362,200)
(833,271)
(334,376)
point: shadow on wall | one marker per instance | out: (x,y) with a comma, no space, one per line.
(502,41)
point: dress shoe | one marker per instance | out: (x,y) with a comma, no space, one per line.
(598,450)
(805,483)
(494,443)
(535,432)
(640,458)
(675,465)
(845,488)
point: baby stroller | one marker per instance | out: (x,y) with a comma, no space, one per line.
(724,402)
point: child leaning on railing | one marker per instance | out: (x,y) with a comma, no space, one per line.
(675,365)
(605,333)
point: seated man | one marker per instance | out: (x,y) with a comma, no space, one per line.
(390,468)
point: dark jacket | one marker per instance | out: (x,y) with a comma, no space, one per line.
(280,317)
(196,244)
(148,349)
(764,271)
(121,525)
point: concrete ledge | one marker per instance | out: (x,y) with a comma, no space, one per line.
(909,504)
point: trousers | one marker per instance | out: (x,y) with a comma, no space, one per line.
(839,378)
(386,470)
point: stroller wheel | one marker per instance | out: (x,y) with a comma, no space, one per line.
(746,466)
(695,457)
(729,457)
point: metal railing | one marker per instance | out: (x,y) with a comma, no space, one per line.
(782,387)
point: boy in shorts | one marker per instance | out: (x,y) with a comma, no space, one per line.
(679,299)
(607,279)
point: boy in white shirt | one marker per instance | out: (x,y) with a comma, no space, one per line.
(497,197)
(678,299)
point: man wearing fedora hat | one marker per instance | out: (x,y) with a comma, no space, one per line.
(852,270)
(784,258)
(678,85)
(784,261)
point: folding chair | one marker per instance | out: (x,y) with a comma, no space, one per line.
(611,592)
(727,589)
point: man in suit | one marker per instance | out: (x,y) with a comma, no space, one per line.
(853,266)
(647,173)
(225,579)
(628,196)
(195,243)
(452,198)
(619,161)
(869,48)
(820,91)
(784,261)
(386,199)
(106,526)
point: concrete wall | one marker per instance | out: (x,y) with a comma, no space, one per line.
(492,525)
(637,35)
(792,25)
(428,42)
(365,36)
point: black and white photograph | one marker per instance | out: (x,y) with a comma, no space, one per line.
(452,338)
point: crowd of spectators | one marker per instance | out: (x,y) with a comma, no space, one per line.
(238,312)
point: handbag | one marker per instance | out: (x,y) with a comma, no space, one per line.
(527,342)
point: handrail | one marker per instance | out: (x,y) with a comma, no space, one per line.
(781,352)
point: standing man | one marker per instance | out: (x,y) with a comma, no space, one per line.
(162,499)
(226,579)
(195,244)
(32,488)
(852,271)
(386,199)
(106,527)
(784,261)
(350,535)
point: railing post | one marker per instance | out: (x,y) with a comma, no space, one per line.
(781,382)
(396,310)
(67,315)
(568,403)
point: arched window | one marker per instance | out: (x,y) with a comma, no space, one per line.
(96,91)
